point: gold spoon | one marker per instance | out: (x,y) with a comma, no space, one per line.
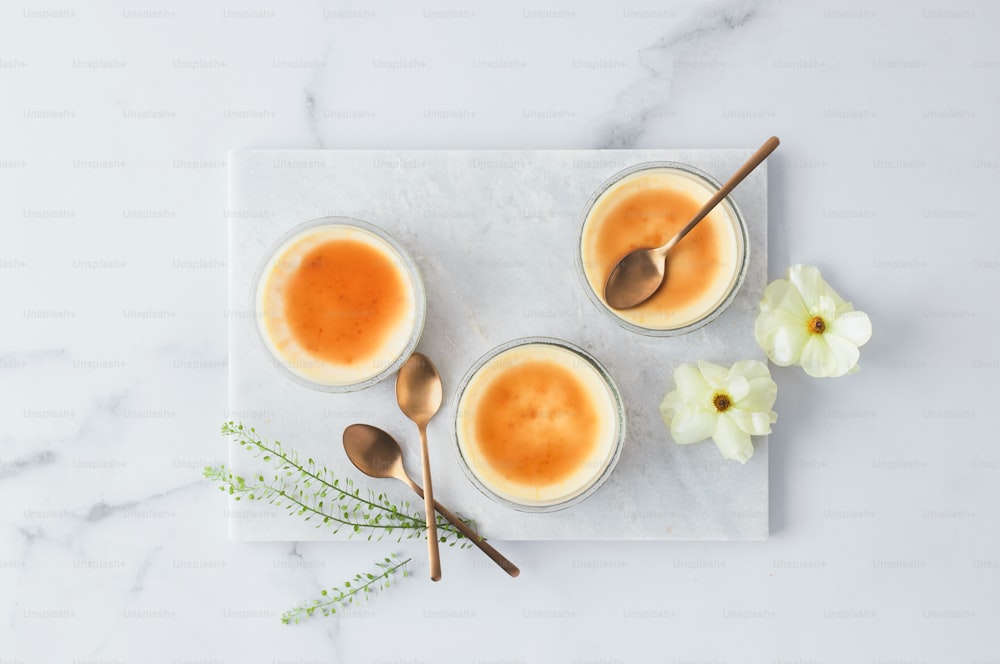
(418,393)
(376,454)
(641,273)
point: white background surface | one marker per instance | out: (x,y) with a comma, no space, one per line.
(115,125)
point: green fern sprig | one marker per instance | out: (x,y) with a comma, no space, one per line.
(359,587)
(314,492)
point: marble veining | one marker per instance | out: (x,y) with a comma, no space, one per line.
(650,94)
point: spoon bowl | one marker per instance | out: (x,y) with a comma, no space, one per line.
(418,389)
(374,452)
(637,277)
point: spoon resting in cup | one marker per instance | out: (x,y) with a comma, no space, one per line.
(641,273)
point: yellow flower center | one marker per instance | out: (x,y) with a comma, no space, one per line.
(816,325)
(722,402)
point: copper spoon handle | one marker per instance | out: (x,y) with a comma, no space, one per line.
(755,160)
(434,555)
(494,555)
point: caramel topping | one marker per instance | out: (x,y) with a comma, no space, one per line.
(536,423)
(344,300)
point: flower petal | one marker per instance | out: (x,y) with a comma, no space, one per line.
(763,393)
(817,358)
(737,387)
(691,425)
(714,375)
(810,284)
(781,318)
(844,353)
(670,405)
(750,369)
(854,326)
(844,307)
(733,442)
(825,308)
(755,423)
(781,295)
(782,336)
(691,384)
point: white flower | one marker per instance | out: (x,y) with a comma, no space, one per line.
(803,321)
(728,405)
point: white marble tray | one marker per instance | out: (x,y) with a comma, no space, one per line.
(482,225)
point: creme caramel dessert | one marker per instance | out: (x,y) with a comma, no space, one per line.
(538,424)
(337,304)
(645,209)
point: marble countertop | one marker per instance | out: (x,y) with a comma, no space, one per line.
(116,122)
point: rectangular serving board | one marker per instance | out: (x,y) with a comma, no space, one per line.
(494,233)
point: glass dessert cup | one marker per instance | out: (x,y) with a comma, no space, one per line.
(339,304)
(539,424)
(644,206)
